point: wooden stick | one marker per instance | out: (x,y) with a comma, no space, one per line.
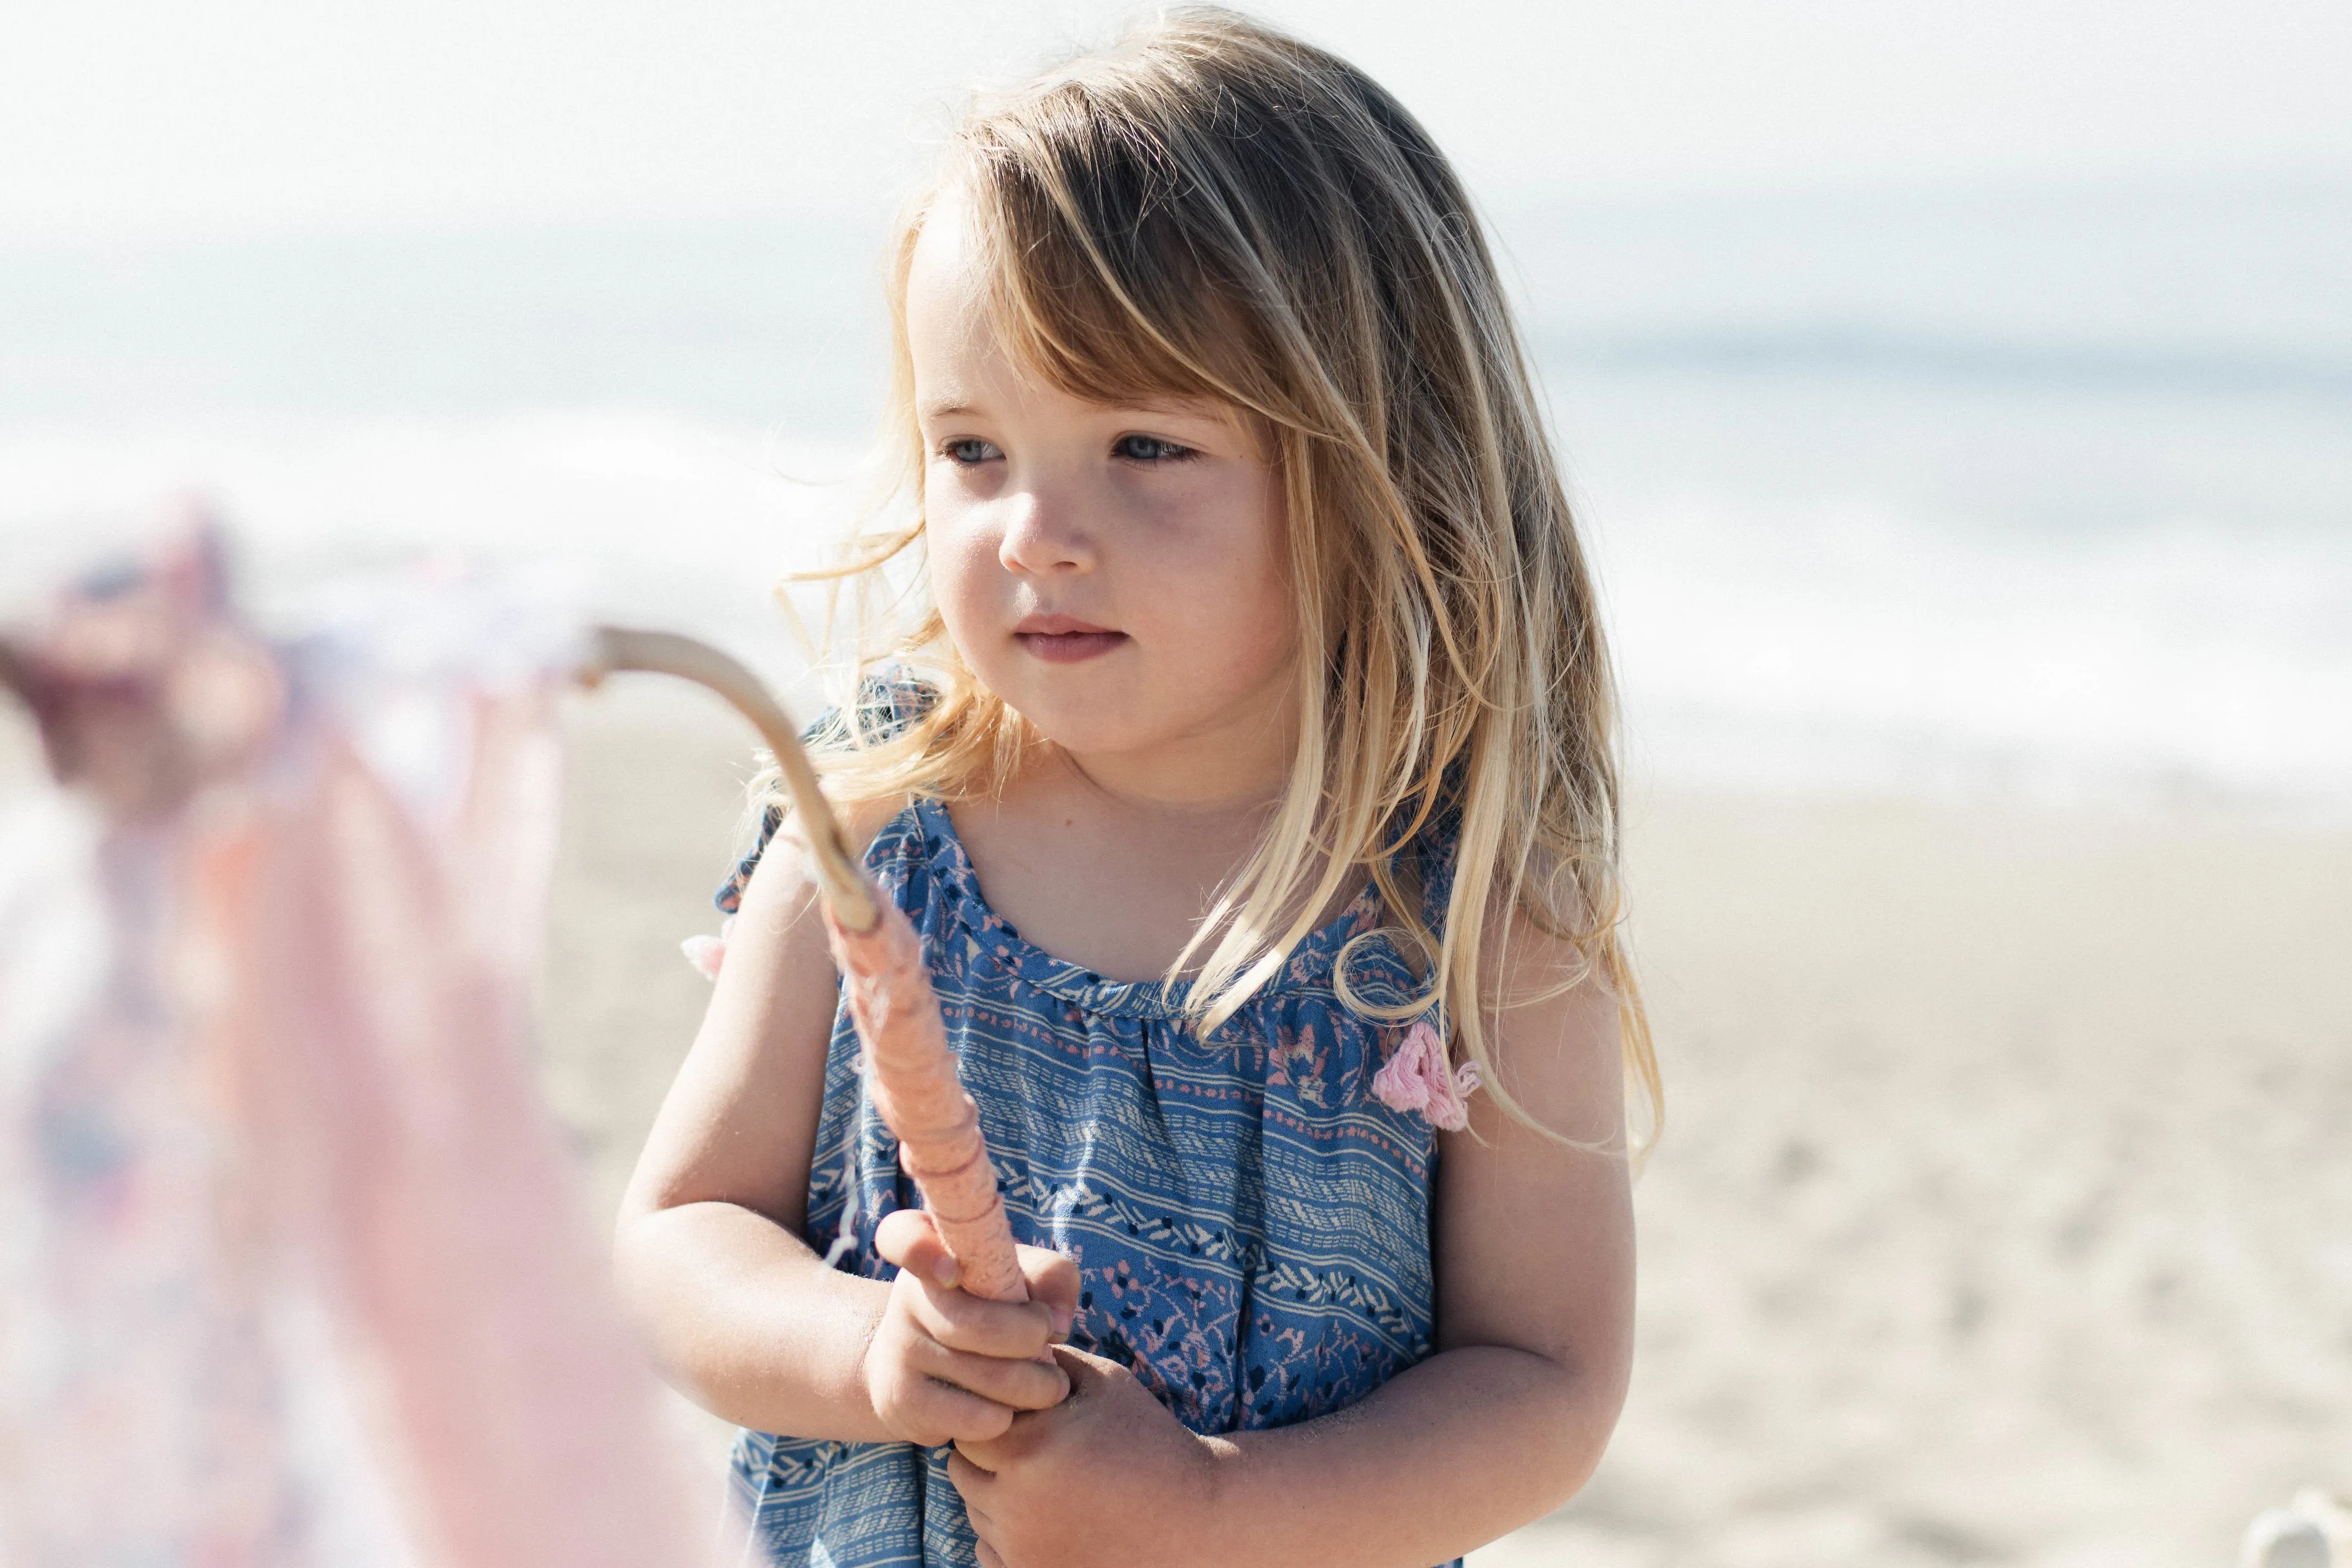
(888,985)
(849,893)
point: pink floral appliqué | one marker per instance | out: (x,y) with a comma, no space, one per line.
(1415,1079)
(708,953)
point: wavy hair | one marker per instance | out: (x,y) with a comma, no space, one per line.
(1213,210)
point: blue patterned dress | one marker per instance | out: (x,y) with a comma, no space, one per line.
(1252,1226)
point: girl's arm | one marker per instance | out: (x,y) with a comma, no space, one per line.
(1535,1270)
(709,1253)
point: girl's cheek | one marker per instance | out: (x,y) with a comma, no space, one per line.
(968,587)
(961,550)
(1237,621)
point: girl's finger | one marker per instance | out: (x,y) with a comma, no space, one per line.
(909,1238)
(1016,1331)
(943,1413)
(1053,1280)
(1018,1385)
(971,1482)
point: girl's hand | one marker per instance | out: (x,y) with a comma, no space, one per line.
(944,1366)
(1106,1476)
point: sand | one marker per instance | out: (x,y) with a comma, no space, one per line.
(2005,1210)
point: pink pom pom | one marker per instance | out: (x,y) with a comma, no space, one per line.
(1446,1110)
(708,953)
(1399,1084)
(1452,1115)
(1415,1079)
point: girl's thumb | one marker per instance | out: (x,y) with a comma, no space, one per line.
(909,1238)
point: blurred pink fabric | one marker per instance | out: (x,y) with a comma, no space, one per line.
(293,1266)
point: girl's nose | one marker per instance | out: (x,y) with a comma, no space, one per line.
(1043,537)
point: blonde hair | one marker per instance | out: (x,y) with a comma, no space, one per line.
(1214,210)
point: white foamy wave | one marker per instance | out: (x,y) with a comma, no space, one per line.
(1847,648)
(654,518)
(1763,644)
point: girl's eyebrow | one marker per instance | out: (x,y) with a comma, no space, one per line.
(1172,410)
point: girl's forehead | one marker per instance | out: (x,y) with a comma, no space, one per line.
(959,352)
(953,331)
(948,265)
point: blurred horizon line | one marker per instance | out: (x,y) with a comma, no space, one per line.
(1499,202)
(2198,287)
(1836,348)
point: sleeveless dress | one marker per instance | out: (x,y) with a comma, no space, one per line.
(1252,1225)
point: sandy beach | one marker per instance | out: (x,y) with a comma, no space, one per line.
(2004,1214)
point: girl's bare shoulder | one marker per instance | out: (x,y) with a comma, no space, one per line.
(783,878)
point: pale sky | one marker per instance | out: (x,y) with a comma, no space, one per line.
(124,119)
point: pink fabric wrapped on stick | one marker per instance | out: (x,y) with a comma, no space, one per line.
(885,979)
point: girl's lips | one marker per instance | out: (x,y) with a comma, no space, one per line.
(1067,647)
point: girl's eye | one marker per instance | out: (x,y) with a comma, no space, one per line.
(1149,449)
(968,450)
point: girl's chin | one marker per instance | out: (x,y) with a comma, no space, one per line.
(1084,731)
(1096,721)
(1124,703)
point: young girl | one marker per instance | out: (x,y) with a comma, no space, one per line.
(1257,808)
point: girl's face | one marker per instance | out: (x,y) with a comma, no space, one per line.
(1116,574)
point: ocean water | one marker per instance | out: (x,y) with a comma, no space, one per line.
(2026,495)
